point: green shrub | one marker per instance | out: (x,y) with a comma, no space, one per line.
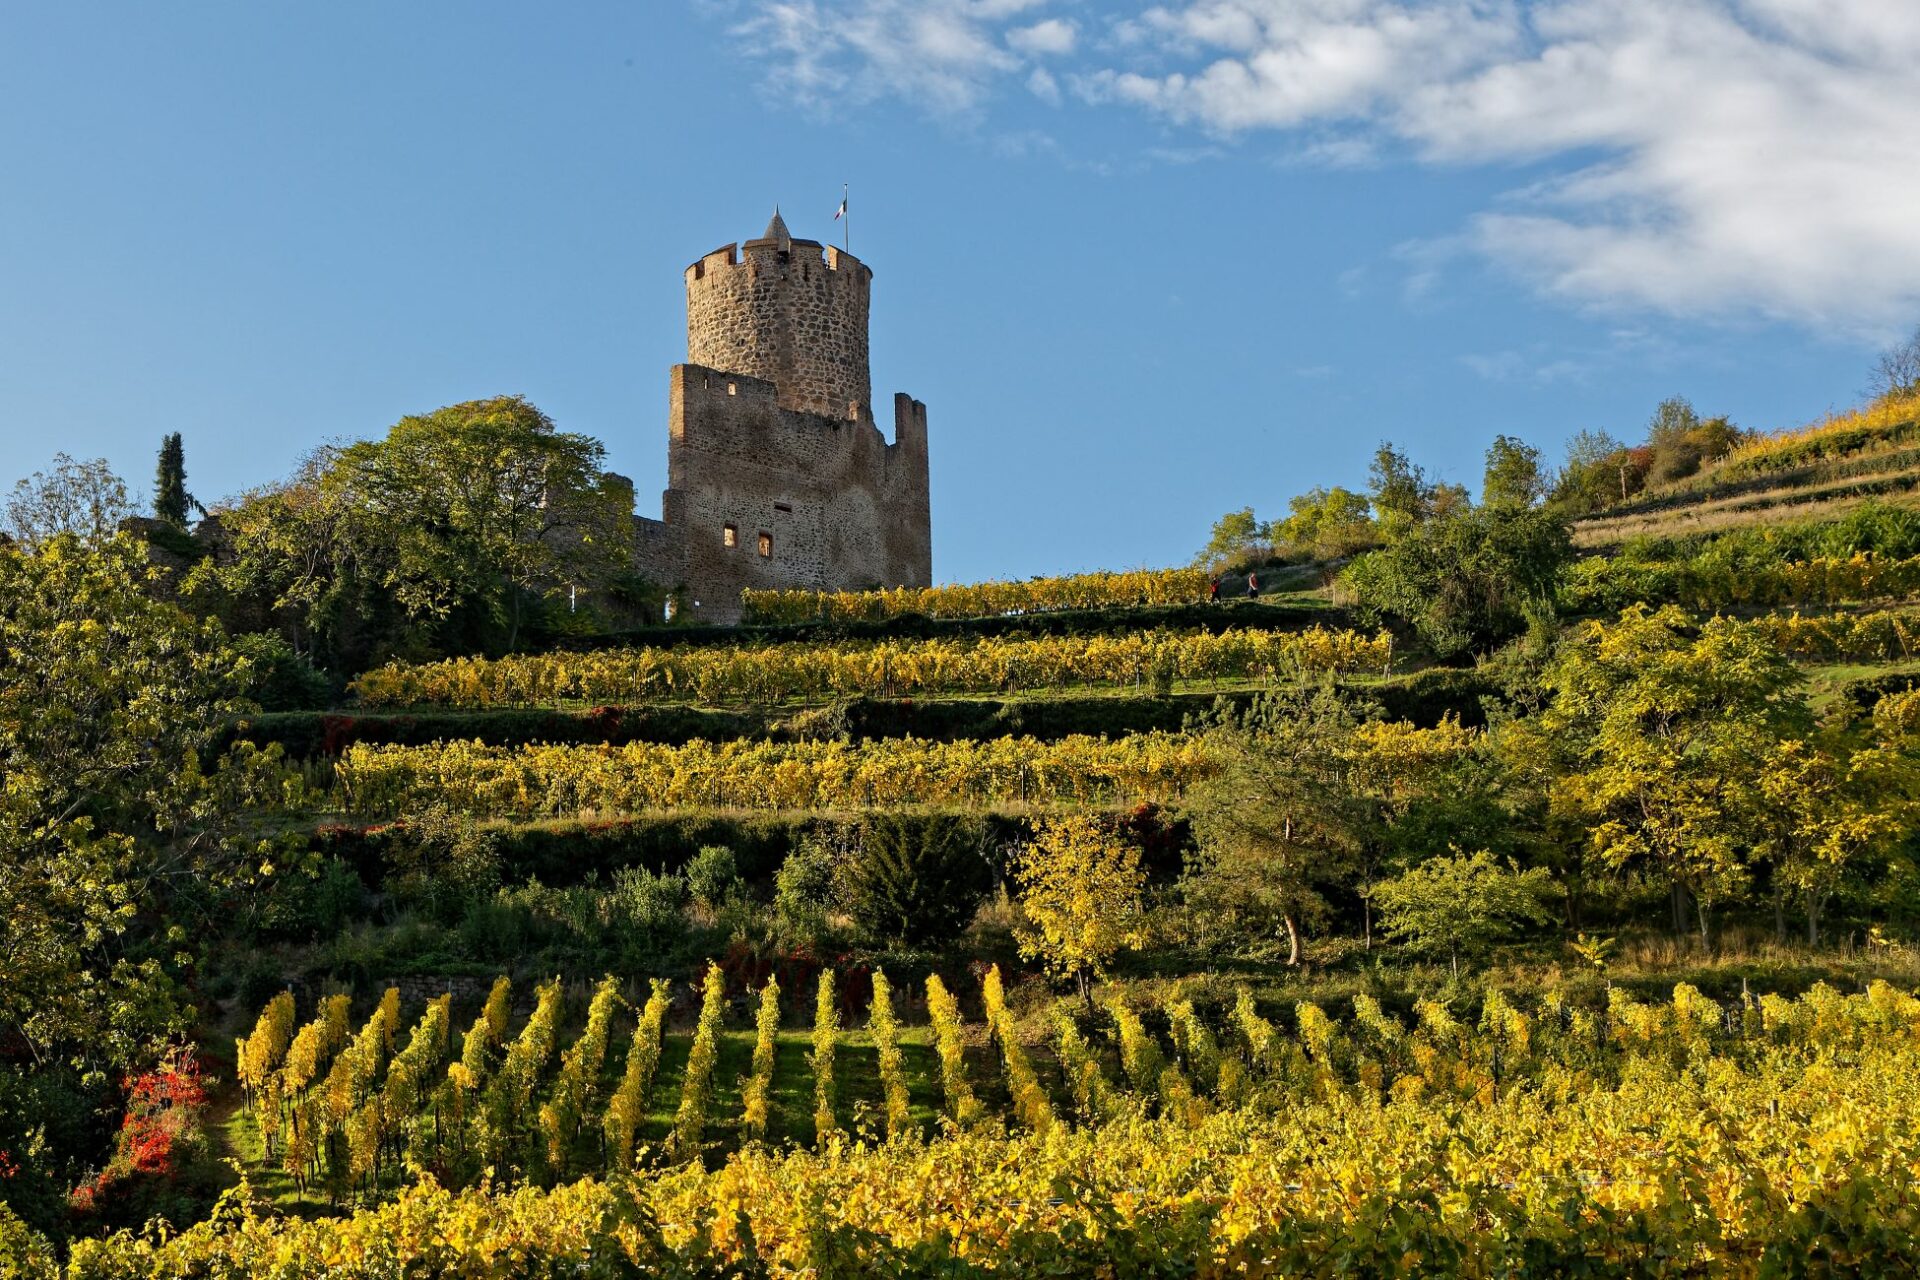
(653,902)
(280,679)
(916,879)
(712,875)
(443,861)
(24,1252)
(803,888)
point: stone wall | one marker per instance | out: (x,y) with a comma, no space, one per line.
(790,314)
(814,502)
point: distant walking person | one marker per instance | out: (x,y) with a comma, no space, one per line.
(1253,584)
(1213,591)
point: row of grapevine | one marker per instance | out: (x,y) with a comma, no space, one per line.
(1706,582)
(1772,1137)
(949,1043)
(1862,637)
(560,781)
(774,673)
(696,1085)
(628,1107)
(755,1111)
(1030,1101)
(826,1033)
(980,599)
(886,1043)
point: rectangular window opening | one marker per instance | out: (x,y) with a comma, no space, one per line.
(766,546)
(730,535)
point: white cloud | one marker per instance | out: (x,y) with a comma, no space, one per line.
(1043,86)
(1724,157)
(1053,36)
(941,54)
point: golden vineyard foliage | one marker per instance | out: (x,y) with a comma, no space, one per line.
(1857,636)
(1676,1138)
(557,781)
(1835,434)
(1704,583)
(980,599)
(773,673)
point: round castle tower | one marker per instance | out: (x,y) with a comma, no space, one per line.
(792,312)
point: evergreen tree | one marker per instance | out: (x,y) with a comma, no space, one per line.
(171,501)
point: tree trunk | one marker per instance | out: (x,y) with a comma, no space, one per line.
(1779,913)
(1086,990)
(1700,907)
(1293,941)
(1366,916)
(1815,901)
(1679,909)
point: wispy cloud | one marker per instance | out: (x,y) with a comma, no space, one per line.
(1719,157)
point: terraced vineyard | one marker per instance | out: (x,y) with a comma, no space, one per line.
(1816,472)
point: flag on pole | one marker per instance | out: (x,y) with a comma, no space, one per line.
(841,212)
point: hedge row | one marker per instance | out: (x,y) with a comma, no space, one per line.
(570,851)
(1066,622)
(1422,698)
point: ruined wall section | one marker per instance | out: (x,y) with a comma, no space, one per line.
(789,312)
(814,501)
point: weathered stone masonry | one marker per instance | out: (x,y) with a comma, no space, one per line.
(777,475)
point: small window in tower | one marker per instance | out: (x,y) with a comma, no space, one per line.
(730,535)
(732,390)
(766,546)
(783,506)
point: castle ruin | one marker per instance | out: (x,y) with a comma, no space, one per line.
(777,475)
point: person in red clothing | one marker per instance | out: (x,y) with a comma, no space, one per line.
(1253,584)
(1213,591)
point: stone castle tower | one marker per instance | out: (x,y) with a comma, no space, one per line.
(777,475)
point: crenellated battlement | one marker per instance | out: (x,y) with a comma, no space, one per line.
(804,254)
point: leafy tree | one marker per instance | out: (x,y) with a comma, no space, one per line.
(1680,441)
(1897,370)
(438,535)
(1236,536)
(1423,789)
(1467,579)
(171,501)
(1280,819)
(915,879)
(1824,801)
(1513,473)
(1599,470)
(1455,905)
(1082,890)
(109,700)
(1402,495)
(1328,524)
(1660,731)
(84,499)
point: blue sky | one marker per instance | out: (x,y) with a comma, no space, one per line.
(1144,263)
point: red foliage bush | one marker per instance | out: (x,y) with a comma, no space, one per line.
(160,1154)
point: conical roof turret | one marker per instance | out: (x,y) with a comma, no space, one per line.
(777,230)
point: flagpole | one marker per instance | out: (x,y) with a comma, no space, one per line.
(846,232)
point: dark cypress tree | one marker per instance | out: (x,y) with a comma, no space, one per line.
(171,500)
